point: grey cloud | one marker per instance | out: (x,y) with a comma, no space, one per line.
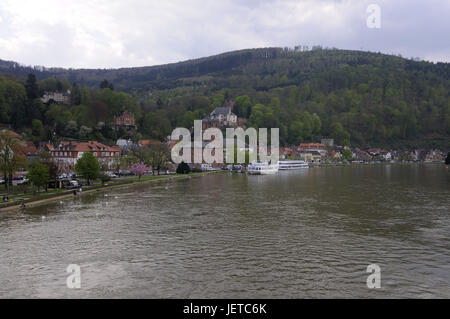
(137,33)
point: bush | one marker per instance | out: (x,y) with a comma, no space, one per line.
(183,168)
(39,175)
(88,167)
(104,178)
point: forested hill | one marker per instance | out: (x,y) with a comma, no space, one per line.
(256,68)
(361,98)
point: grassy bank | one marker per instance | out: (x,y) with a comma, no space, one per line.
(34,199)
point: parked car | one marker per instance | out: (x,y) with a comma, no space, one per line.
(111,174)
(2,181)
(206,167)
(125,173)
(23,181)
(73,185)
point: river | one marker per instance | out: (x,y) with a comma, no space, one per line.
(302,234)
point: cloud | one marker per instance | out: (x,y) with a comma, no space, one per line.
(112,33)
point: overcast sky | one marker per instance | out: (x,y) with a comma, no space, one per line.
(111,34)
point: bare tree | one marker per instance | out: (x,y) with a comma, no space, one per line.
(159,155)
(10,157)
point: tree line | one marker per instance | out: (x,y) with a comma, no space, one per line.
(358,98)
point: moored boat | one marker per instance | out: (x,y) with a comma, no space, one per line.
(262,168)
(291,165)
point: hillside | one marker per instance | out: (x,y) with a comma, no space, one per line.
(361,98)
(247,64)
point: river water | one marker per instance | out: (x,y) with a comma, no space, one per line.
(303,234)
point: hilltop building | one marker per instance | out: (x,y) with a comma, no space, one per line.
(221,117)
(125,120)
(58,97)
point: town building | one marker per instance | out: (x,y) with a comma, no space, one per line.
(126,145)
(329,142)
(26,148)
(221,117)
(334,156)
(361,155)
(29,150)
(434,156)
(311,156)
(58,97)
(126,120)
(287,153)
(66,154)
(311,147)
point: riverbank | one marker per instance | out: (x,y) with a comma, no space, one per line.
(350,164)
(44,198)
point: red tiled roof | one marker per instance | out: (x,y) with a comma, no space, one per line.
(26,147)
(91,146)
(29,148)
(312,145)
(12,133)
(50,147)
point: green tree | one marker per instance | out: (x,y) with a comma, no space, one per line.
(295,132)
(188,120)
(75,94)
(242,106)
(106,85)
(340,135)
(13,99)
(37,128)
(347,155)
(32,87)
(183,168)
(157,124)
(317,125)
(53,168)
(39,175)
(88,167)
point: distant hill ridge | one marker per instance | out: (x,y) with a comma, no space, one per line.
(285,66)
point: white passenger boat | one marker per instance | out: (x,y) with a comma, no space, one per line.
(290,165)
(262,168)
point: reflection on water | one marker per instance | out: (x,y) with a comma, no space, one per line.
(309,233)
